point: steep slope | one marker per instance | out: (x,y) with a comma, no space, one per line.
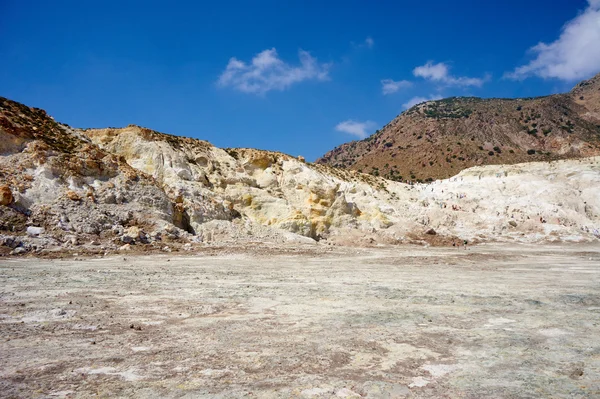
(58,180)
(262,187)
(115,188)
(438,139)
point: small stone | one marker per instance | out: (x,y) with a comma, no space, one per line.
(34,231)
(18,251)
(73,196)
(6,197)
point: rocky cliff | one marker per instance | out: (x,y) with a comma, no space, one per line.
(109,189)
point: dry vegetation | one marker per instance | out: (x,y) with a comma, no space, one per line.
(438,139)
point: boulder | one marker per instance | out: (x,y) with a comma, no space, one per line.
(513,223)
(133,234)
(6,197)
(431,232)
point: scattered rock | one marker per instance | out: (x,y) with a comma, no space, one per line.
(73,196)
(34,231)
(117,229)
(132,235)
(10,242)
(72,240)
(18,251)
(126,247)
(6,197)
(127,239)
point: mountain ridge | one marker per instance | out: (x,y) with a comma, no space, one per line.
(439,138)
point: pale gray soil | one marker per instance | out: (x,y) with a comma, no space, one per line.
(494,321)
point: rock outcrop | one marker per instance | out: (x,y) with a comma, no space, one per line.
(122,188)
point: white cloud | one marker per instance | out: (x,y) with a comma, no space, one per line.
(268,72)
(441,73)
(574,55)
(389,86)
(418,100)
(358,129)
(368,43)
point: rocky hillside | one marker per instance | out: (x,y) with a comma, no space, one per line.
(102,190)
(438,139)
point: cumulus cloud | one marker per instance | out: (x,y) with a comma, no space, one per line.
(268,72)
(358,129)
(440,73)
(574,55)
(389,86)
(418,100)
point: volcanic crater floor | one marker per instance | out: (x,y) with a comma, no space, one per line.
(493,321)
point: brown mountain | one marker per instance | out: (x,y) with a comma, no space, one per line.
(438,139)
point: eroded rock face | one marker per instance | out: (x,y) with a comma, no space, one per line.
(283,192)
(135,186)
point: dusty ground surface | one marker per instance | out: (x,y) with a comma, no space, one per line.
(494,321)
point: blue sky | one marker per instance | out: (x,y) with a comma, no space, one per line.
(294,76)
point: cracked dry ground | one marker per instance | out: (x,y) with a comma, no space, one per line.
(493,321)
